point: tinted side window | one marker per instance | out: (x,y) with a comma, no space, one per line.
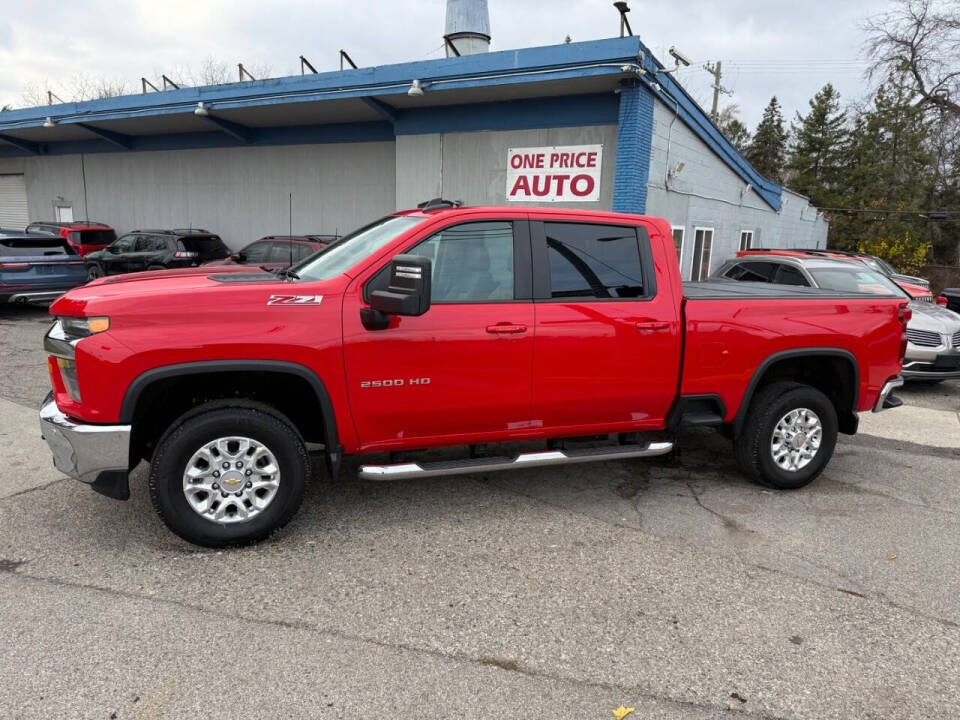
(124,244)
(302,251)
(144,244)
(283,251)
(472,262)
(789,275)
(593,261)
(258,252)
(757,272)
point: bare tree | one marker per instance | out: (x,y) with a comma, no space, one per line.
(84,86)
(34,94)
(921,40)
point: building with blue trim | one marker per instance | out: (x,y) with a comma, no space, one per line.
(356,144)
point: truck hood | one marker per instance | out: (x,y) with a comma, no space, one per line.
(167,288)
(934,318)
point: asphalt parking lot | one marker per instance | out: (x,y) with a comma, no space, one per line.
(675,588)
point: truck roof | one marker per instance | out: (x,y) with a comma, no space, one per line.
(449,208)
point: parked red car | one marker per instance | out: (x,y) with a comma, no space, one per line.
(275,252)
(83,236)
(449,326)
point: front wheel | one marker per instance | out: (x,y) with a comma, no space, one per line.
(228,475)
(94,271)
(789,436)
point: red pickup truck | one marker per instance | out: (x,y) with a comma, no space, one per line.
(448,326)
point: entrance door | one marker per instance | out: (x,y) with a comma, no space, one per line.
(606,355)
(463,367)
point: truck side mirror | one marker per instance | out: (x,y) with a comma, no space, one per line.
(408,292)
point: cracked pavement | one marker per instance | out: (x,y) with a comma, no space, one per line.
(672,586)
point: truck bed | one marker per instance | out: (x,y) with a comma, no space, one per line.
(730,290)
(728,339)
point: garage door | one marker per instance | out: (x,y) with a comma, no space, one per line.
(13,202)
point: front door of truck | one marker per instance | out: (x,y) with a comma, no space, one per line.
(608,341)
(462,369)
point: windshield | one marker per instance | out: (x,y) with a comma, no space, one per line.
(337,258)
(853,280)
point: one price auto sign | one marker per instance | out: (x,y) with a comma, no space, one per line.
(554,174)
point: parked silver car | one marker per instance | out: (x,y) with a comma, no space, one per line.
(933,333)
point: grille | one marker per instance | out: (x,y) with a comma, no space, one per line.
(956,339)
(925,298)
(923,338)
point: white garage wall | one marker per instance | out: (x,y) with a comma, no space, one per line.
(473,166)
(240,193)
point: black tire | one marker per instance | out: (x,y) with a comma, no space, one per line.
(188,434)
(769,406)
(94,271)
(156,267)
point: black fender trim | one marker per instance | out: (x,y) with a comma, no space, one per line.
(708,409)
(850,422)
(333,451)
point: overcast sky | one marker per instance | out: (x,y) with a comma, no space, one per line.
(789,49)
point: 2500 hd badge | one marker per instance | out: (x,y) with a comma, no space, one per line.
(399,382)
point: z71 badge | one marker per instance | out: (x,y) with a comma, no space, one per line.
(294,299)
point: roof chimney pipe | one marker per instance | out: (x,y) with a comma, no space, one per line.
(467,27)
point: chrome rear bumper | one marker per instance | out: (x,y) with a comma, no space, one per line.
(883,401)
(84,452)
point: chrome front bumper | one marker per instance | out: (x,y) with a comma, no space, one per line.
(84,452)
(886,399)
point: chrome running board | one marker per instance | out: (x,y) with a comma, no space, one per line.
(402,471)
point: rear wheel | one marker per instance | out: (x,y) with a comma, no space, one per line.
(789,436)
(228,476)
(94,271)
(155,267)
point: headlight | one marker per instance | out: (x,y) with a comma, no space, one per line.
(84,327)
(61,341)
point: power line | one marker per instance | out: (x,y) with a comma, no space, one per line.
(928,214)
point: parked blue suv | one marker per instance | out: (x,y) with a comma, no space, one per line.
(37,267)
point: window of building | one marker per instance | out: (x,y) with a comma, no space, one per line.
(472,262)
(746,239)
(593,261)
(702,249)
(678,243)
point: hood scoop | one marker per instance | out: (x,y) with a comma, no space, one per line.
(252,277)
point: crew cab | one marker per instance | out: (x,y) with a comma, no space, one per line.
(568,334)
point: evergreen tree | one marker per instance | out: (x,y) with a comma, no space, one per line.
(817,154)
(731,126)
(887,167)
(768,148)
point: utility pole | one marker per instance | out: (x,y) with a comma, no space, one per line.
(717,73)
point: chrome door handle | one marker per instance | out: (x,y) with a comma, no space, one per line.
(506,329)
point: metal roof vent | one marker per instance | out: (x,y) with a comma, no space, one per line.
(467,27)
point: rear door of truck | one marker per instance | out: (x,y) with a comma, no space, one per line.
(608,329)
